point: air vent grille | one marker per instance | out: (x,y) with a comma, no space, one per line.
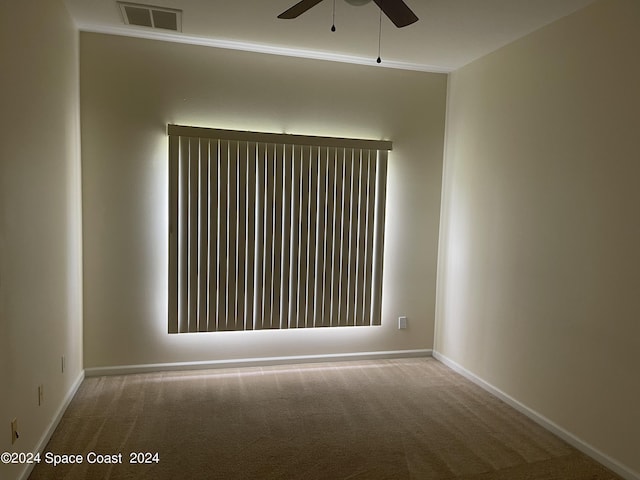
(150,16)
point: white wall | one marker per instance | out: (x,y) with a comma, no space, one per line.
(40,219)
(539,266)
(132,88)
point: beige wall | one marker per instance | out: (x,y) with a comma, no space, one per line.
(40,218)
(539,277)
(132,88)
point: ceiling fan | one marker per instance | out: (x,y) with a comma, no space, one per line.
(397,11)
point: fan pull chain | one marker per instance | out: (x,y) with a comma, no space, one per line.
(333,26)
(379,60)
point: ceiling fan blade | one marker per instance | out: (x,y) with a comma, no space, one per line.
(397,11)
(299,8)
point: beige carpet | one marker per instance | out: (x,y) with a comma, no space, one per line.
(392,419)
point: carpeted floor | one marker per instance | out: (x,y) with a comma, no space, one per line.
(392,419)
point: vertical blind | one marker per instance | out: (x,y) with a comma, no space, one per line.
(274,230)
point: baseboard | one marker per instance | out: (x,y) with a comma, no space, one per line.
(254,362)
(46,436)
(541,420)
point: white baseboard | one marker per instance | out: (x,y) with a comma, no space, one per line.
(254,362)
(541,420)
(46,436)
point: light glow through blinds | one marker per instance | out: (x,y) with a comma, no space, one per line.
(271,231)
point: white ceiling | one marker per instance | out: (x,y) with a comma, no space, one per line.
(449,34)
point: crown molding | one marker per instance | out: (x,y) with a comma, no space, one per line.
(254,47)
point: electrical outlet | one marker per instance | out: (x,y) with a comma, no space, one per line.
(14,431)
(402,322)
(40,394)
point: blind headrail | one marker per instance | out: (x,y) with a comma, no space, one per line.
(280,138)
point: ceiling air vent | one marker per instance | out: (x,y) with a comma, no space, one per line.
(150,16)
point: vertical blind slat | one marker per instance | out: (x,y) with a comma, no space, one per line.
(285,257)
(329,236)
(338,206)
(241,290)
(214,204)
(268,237)
(362,221)
(321,245)
(295,236)
(312,229)
(194,185)
(232,230)
(223,234)
(303,228)
(345,238)
(378,246)
(183,237)
(203,234)
(251,235)
(353,232)
(260,233)
(368,207)
(276,285)
(371,178)
(174,153)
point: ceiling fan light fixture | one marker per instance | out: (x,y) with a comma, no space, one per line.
(357,3)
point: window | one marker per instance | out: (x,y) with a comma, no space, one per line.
(274,230)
